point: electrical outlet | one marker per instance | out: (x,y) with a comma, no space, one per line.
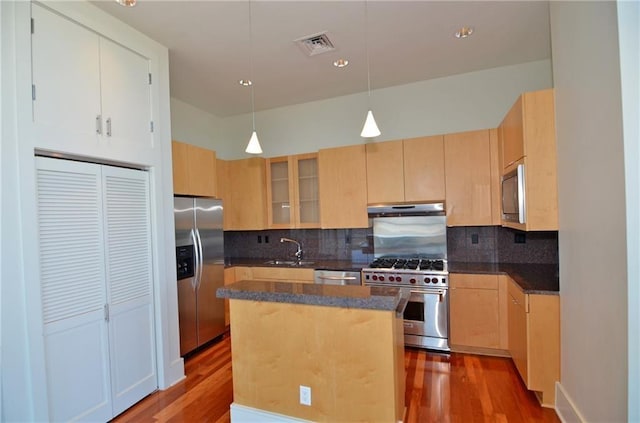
(520,238)
(266,239)
(259,239)
(305,395)
(474,238)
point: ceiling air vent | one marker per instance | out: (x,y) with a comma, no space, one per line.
(315,44)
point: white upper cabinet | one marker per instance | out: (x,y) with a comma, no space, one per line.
(91,96)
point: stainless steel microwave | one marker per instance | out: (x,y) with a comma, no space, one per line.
(513,196)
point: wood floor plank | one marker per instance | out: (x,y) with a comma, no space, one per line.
(439,388)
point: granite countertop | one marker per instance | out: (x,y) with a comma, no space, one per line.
(346,296)
(317,264)
(532,278)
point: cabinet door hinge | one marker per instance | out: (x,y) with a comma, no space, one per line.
(33,92)
(149,79)
(151,126)
(33,26)
(106,312)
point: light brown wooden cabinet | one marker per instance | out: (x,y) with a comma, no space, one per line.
(194,170)
(528,136)
(292,191)
(276,274)
(469,199)
(410,170)
(342,176)
(245,202)
(534,340)
(478,316)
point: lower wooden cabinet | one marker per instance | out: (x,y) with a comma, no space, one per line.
(534,340)
(477,312)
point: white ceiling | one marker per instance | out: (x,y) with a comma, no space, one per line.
(408,41)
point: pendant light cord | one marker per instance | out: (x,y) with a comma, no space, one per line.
(366,47)
(253,109)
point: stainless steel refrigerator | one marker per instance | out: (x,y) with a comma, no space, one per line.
(200,270)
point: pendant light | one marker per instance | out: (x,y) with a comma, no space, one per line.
(253,147)
(370,128)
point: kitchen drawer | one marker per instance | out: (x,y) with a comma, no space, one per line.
(283,274)
(467,280)
(518,295)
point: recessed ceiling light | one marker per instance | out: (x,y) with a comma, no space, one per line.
(127,3)
(340,63)
(245,82)
(464,32)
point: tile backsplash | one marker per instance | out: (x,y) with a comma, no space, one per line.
(489,244)
(328,244)
(495,244)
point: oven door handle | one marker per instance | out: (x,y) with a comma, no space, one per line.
(440,293)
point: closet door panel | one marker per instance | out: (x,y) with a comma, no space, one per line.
(73,295)
(77,362)
(129,285)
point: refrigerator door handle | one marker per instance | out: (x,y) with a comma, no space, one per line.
(196,257)
(200,258)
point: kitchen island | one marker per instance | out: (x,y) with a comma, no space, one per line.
(344,343)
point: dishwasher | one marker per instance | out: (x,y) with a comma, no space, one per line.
(337,277)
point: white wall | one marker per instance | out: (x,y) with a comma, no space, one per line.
(194,126)
(592,236)
(629,38)
(469,101)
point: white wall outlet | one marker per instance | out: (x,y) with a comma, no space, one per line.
(305,395)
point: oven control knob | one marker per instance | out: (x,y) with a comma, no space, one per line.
(374,277)
(434,280)
(391,278)
(427,280)
(381,278)
(412,280)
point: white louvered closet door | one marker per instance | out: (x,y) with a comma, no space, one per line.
(129,285)
(73,290)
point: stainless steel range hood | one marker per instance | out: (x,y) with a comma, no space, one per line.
(406,209)
(409,230)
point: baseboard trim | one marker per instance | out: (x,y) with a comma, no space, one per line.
(244,414)
(566,408)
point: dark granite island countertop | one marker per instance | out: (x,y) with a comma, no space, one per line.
(345,296)
(541,279)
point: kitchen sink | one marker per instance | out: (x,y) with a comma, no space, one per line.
(289,262)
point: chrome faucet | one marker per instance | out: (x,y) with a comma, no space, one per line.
(298,253)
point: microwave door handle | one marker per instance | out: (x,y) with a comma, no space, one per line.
(522,216)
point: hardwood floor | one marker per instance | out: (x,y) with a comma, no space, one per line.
(439,388)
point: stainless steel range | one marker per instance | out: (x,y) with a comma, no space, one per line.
(410,252)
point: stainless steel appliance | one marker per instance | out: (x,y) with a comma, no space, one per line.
(410,250)
(337,277)
(513,196)
(200,270)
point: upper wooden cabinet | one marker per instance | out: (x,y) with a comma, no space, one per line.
(245,202)
(468,178)
(343,187)
(534,340)
(424,169)
(292,191)
(527,136)
(194,170)
(405,171)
